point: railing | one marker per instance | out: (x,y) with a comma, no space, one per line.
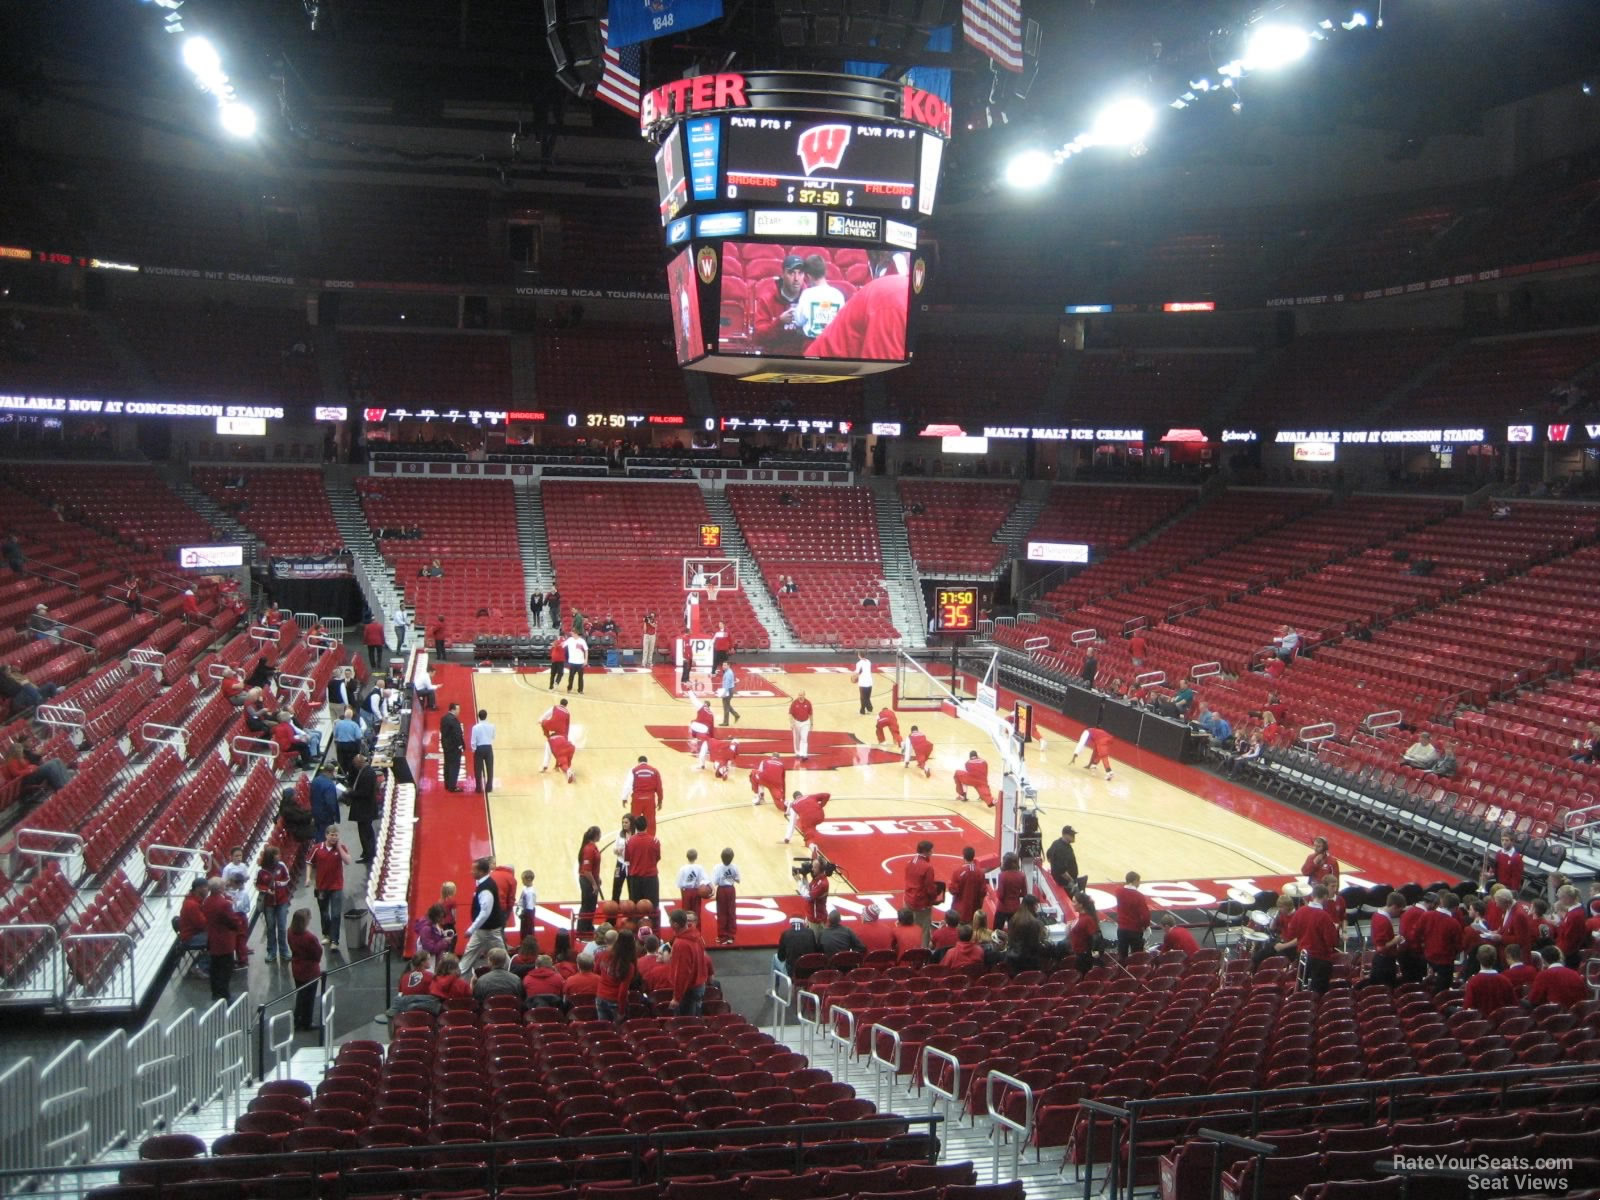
(893,1066)
(1171,1115)
(297,687)
(1184,607)
(781,993)
(1386,718)
(1036,643)
(264,634)
(183,860)
(56,1119)
(254,747)
(486,1163)
(1205,670)
(39,980)
(1135,624)
(60,716)
(143,657)
(950,1097)
(1146,679)
(117,983)
(840,1033)
(1027,618)
(1319,732)
(1022,1130)
(56,574)
(273,1034)
(166,735)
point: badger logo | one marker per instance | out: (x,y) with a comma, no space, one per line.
(822,146)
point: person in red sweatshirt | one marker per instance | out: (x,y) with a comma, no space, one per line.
(1321,866)
(691,966)
(1011,885)
(889,724)
(1177,937)
(1412,922)
(373,634)
(643,856)
(974,774)
(723,753)
(1506,868)
(544,986)
(192,926)
(305,968)
(1572,934)
(1084,933)
(1518,973)
(769,773)
(1386,941)
(1133,916)
(919,749)
(874,932)
(968,886)
(643,793)
(702,734)
(583,985)
(560,747)
(1441,940)
(966,954)
(557,719)
(1559,984)
(946,935)
(905,934)
(1488,991)
(921,887)
(1312,932)
(800,726)
(813,889)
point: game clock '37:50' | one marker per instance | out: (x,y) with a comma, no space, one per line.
(955,610)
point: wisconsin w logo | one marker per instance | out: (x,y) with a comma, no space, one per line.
(822,146)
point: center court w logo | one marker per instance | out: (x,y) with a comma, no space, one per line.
(822,146)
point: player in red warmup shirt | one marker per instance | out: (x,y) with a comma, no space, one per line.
(1100,743)
(769,773)
(642,792)
(557,719)
(919,748)
(806,813)
(562,750)
(723,753)
(974,774)
(890,724)
(702,734)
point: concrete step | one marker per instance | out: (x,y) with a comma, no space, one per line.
(779,635)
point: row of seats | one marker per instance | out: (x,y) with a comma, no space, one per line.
(286,508)
(952,526)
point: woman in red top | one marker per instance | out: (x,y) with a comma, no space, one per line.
(617,974)
(588,878)
(1009,890)
(905,934)
(448,982)
(273,889)
(1321,867)
(1084,934)
(305,963)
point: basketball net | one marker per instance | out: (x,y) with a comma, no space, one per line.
(711,589)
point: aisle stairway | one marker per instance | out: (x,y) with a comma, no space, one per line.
(906,609)
(755,587)
(534,543)
(228,529)
(1013,534)
(378,587)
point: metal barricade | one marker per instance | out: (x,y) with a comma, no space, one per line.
(82,955)
(880,1063)
(166,735)
(985,627)
(1386,718)
(307,621)
(143,657)
(999,1123)
(781,993)
(264,634)
(44,981)
(60,716)
(950,1098)
(1027,618)
(844,1044)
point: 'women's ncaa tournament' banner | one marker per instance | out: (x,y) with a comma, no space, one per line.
(633,21)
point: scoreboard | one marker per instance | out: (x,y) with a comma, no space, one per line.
(789,203)
(955,610)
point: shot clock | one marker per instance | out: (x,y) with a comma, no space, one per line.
(955,610)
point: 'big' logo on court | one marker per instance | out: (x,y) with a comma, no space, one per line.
(823,146)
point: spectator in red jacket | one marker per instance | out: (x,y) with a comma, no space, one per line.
(1506,869)
(1412,923)
(1441,940)
(1321,866)
(948,934)
(192,927)
(1177,937)
(544,986)
(968,887)
(1133,916)
(1488,991)
(1010,887)
(965,954)
(224,928)
(1084,935)
(1559,984)
(305,965)
(373,635)
(1518,973)
(691,966)
(448,981)
(905,934)
(921,888)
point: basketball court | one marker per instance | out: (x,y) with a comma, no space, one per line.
(1193,838)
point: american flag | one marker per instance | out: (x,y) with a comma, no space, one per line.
(619,80)
(995,27)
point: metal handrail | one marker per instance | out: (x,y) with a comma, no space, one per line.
(1386,718)
(144,657)
(844,1048)
(1035,643)
(61,716)
(124,966)
(247,747)
(1205,670)
(1321,731)
(166,735)
(1080,636)
(179,853)
(879,1062)
(930,1055)
(1146,679)
(1023,1130)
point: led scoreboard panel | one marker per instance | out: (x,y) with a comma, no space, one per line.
(782,158)
(955,610)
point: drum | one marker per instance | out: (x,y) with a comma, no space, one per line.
(1297,891)
(1261,920)
(1256,935)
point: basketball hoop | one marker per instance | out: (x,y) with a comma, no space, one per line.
(711,591)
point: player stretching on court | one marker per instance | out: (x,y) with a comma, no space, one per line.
(723,752)
(1100,742)
(974,773)
(556,720)
(561,748)
(890,724)
(918,747)
(769,773)
(702,734)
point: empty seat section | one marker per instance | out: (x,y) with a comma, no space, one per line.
(952,526)
(287,509)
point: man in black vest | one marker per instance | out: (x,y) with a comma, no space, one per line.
(452,741)
(1063,860)
(488,928)
(363,800)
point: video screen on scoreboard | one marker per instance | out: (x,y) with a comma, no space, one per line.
(822,302)
(833,163)
(672,176)
(684,293)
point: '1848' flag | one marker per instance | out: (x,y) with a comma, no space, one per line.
(635,21)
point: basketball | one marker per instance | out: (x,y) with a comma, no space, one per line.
(644,908)
(608,909)
(625,908)
(706,891)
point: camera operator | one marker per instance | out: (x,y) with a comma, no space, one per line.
(812,881)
